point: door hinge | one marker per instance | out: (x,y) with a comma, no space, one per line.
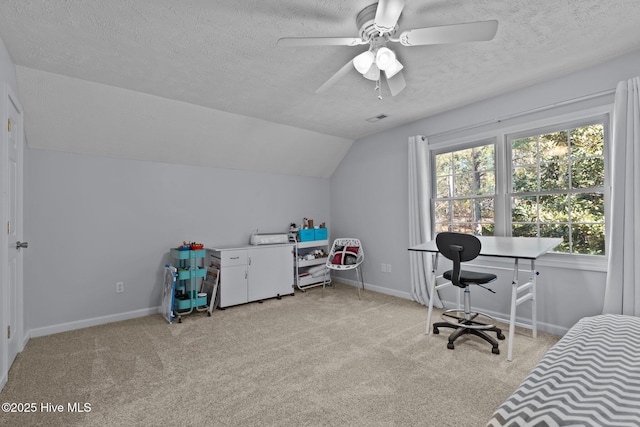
(9,332)
(9,125)
(8,227)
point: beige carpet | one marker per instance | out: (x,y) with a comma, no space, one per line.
(304,360)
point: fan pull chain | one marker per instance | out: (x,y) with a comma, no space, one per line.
(379,89)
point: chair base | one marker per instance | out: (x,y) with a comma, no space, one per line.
(468,325)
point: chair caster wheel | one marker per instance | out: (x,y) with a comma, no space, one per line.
(500,336)
(495,350)
(436,331)
(450,346)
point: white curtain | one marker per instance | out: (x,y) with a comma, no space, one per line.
(622,292)
(420,263)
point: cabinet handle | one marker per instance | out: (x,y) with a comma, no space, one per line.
(234,257)
(249,260)
(245,274)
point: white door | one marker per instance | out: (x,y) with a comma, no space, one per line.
(14,229)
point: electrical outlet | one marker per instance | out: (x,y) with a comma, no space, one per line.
(383,268)
(388,268)
(119,287)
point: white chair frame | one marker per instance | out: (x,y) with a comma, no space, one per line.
(340,242)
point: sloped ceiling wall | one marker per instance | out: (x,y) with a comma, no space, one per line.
(68,114)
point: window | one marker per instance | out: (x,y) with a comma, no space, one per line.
(465,190)
(557,187)
(552,184)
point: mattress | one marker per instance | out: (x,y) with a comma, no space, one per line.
(591,377)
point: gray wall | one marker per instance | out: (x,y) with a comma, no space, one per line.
(369,196)
(93,221)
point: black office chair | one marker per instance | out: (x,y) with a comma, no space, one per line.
(459,248)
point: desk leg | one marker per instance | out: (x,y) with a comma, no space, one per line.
(432,290)
(512,316)
(534,297)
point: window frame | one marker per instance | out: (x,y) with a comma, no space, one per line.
(503,170)
(434,176)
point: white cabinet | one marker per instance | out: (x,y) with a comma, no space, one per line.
(307,264)
(253,273)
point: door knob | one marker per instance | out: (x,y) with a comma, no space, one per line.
(22,245)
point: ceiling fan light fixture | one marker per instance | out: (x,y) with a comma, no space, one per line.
(363,62)
(385,58)
(373,73)
(393,69)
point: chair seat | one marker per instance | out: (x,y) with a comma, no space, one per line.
(471,277)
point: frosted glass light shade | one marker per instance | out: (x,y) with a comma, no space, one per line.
(385,58)
(363,62)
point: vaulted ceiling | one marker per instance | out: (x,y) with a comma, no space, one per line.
(214,67)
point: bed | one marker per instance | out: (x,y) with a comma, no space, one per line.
(591,377)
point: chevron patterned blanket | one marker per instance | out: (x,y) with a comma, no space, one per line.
(591,377)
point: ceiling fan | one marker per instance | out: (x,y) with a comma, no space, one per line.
(377,25)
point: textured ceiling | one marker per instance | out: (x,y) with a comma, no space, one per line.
(222,54)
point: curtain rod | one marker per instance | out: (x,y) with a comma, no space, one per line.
(524,113)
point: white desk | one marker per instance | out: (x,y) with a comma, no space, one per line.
(528,248)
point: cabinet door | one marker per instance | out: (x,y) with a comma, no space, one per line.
(270,272)
(233,285)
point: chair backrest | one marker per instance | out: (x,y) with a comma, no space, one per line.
(458,247)
(345,247)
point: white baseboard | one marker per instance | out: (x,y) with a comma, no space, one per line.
(379,289)
(504,318)
(70,326)
(500,317)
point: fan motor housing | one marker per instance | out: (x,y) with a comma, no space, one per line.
(365,22)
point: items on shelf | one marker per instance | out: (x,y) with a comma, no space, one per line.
(310,259)
(188,296)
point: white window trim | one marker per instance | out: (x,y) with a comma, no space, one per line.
(499,137)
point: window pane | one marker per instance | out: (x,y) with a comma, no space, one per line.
(484,158)
(524,209)
(554,146)
(462,211)
(557,230)
(462,161)
(588,239)
(484,210)
(587,207)
(587,141)
(554,176)
(587,173)
(443,164)
(486,183)
(524,151)
(525,230)
(440,227)
(463,185)
(443,187)
(463,228)
(525,179)
(442,211)
(486,229)
(554,208)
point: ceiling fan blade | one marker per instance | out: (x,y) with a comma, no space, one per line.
(320,41)
(456,33)
(337,76)
(387,15)
(396,83)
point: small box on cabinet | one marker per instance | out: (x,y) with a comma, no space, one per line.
(320,234)
(306,235)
